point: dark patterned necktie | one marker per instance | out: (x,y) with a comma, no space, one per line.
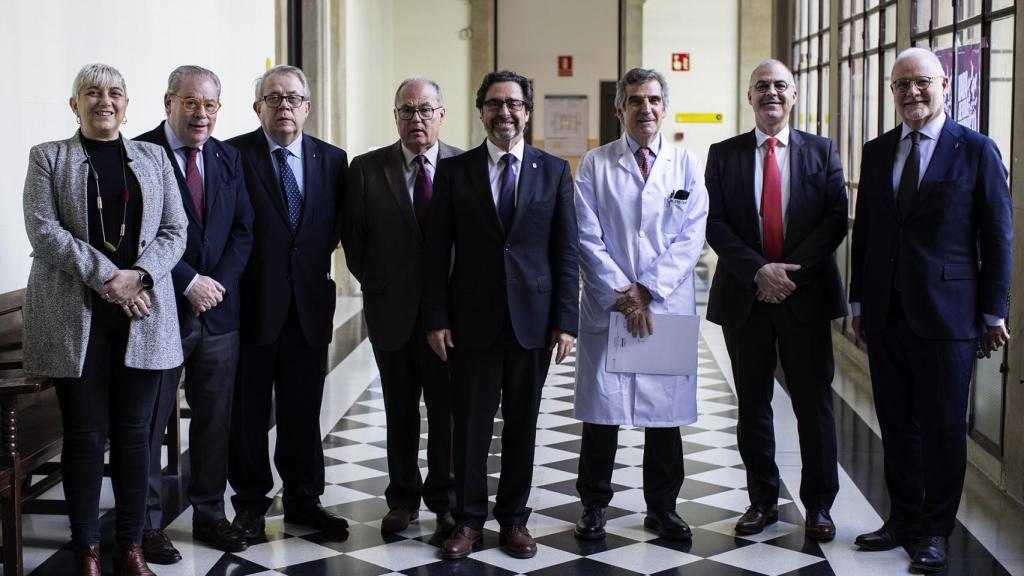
(507,193)
(194,179)
(645,162)
(911,174)
(290,187)
(422,192)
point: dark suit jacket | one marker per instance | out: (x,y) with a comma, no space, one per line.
(951,253)
(816,224)
(287,267)
(530,274)
(384,243)
(218,246)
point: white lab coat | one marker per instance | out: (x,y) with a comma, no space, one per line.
(632,231)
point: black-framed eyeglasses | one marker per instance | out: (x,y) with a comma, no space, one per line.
(275,100)
(763,86)
(513,104)
(425,112)
(192,104)
(921,82)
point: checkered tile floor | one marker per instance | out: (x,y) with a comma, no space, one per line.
(713,496)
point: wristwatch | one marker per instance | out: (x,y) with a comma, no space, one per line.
(145,279)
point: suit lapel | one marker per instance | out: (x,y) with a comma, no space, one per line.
(480,181)
(627,161)
(265,171)
(213,172)
(529,183)
(79,191)
(186,195)
(890,144)
(394,174)
(943,157)
(312,177)
(745,158)
(796,185)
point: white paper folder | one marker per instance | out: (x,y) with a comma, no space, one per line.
(670,350)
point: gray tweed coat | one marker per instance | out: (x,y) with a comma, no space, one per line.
(66,268)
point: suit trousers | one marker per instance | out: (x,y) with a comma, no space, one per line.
(109,400)
(210,364)
(287,374)
(512,376)
(405,374)
(805,350)
(921,388)
(663,466)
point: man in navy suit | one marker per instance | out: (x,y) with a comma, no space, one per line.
(297,187)
(777,214)
(505,210)
(930,279)
(206,282)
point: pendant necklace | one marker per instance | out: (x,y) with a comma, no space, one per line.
(107,245)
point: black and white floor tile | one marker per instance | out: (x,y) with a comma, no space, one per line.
(712,497)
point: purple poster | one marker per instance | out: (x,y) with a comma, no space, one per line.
(968,83)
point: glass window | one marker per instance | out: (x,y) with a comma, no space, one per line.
(872,98)
(823,109)
(920,16)
(888,109)
(890,24)
(1000,86)
(825,47)
(968,8)
(871,34)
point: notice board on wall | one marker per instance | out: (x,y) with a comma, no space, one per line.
(565,125)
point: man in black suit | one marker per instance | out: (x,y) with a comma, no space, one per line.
(389,193)
(505,211)
(777,214)
(297,186)
(930,275)
(206,279)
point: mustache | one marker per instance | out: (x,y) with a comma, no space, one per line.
(770,100)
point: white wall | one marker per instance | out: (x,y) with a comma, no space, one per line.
(390,40)
(708,31)
(533,33)
(47,41)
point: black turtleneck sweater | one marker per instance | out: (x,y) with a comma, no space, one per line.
(111,163)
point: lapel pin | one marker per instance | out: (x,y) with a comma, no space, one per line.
(534,164)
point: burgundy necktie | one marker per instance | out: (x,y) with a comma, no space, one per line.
(422,192)
(194,180)
(771,205)
(645,162)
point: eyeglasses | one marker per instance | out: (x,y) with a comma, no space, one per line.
(275,100)
(192,104)
(513,104)
(425,112)
(921,82)
(763,86)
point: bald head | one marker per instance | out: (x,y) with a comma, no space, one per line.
(918,84)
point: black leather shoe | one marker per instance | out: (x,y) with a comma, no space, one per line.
(445,523)
(158,548)
(314,516)
(668,525)
(221,535)
(819,526)
(251,524)
(756,518)
(887,537)
(930,555)
(590,526)
(397,519)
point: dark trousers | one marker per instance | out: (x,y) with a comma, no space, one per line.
(920,388)
(513,376)
(111,401)
(805,350)
(663,466)
(293,372)
(210,362)
(405,374)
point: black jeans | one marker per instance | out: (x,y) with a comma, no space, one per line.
(111,401)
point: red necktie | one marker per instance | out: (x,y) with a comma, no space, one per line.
(194,180)
(771,205)
(645,162)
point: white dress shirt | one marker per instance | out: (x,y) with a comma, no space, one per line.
(494,167)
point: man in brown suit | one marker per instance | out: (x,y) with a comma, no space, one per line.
(389,195)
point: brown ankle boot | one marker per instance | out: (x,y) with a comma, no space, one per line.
(89,561)
(129,561)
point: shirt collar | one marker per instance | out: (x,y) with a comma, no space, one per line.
(295,147)
(931,130)
(496,153)
(782,136)
(172,139)
(431,154)
(634,147)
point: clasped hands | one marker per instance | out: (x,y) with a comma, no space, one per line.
(441,340)
(773,284)
(205,294)
(124,288)
(634,303)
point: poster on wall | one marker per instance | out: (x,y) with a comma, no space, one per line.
(565,125)
(968,83)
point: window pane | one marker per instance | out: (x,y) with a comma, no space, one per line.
(920,14)
(812,17)
(844,118)
(871,34)
(825,5)
(890,24)
(825,47)
(858,35)
(811,97)
(844,39)
(969,8)
(871,96)
(968,78)
(943,14)
(812,51)
(870,4)
(823,109)
(857,117)
(801,19)
(1000,86)
(801,102)
(844,9)
(888,109)
(944,50)
(998,4)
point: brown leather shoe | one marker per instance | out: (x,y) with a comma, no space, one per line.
(756,518)
(517,542)
(461,542)
(130,561)
(819,526)
(89,561)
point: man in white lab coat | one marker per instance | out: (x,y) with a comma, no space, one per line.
(641,207)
